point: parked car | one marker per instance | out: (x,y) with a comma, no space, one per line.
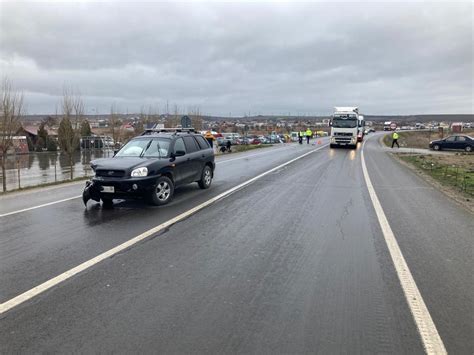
(151,166)
(454,142)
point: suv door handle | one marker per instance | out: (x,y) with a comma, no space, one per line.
(204,155)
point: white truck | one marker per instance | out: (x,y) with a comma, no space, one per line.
(347,127)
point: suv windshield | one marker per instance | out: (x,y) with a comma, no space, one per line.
(344,123)
(148,148)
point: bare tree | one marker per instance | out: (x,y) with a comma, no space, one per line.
(175,119)
(68,136)
(114,123)
(73,105)
(196,118)
(11,111)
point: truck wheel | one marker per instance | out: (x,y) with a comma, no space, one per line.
(354,146)
(332,146)
(162,192)
(206,178)
(468,148)
(436,147)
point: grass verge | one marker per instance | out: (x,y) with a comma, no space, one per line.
(452,174)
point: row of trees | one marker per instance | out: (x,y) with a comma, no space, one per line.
(11,111)
(72,126)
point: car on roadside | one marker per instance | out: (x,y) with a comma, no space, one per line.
(463,142)
(151,166)
(256,141)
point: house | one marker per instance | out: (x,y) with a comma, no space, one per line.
(30,132)
(456,127)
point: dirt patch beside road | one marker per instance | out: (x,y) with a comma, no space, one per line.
(417,139)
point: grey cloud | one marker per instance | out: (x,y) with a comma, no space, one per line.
(263,58)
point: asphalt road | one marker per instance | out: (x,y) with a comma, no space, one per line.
(293,263)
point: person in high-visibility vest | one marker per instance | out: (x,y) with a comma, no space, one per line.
(308,134)
(395,139)
(300,137)
(210,138)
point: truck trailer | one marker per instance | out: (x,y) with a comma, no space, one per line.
(347,127)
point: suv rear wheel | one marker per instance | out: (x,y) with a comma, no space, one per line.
(206,178)
(163,191)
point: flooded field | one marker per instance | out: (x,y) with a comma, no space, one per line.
(39,168)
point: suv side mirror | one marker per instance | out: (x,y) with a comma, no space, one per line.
(115,152)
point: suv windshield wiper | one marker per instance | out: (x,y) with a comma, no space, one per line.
(145,149)
(159,148)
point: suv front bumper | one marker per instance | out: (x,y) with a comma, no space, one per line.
(110,188)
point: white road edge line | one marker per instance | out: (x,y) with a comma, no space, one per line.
(39,206)
(35,291)
(427,329)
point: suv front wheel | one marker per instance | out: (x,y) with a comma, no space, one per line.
(163,191)
(206,178)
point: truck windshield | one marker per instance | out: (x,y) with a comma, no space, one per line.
(156,148)
(344,123)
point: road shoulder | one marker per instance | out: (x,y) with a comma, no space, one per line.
(449,191)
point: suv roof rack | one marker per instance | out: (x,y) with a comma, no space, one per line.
(168,130)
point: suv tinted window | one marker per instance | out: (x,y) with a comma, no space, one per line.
(179,145)
(202,142)
(191,145)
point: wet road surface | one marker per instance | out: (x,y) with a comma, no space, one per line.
(293,263)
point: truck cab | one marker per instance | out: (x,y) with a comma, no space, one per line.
(347,127)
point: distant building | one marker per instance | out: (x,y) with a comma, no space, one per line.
(456,127)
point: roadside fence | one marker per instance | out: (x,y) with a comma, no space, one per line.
(34,169)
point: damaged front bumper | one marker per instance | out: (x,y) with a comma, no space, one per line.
(111,188)
(91,192)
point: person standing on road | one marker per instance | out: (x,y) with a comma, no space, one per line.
(210,138)
(395,139)
(300,138)
(309,134)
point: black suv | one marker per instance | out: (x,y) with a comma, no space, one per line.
(151,166)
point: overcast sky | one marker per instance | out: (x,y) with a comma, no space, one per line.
(262,58)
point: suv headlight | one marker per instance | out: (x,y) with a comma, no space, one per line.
(143,171)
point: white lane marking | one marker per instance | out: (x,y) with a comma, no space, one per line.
(6,306)
(82,182)
(39,206)
(429,334)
